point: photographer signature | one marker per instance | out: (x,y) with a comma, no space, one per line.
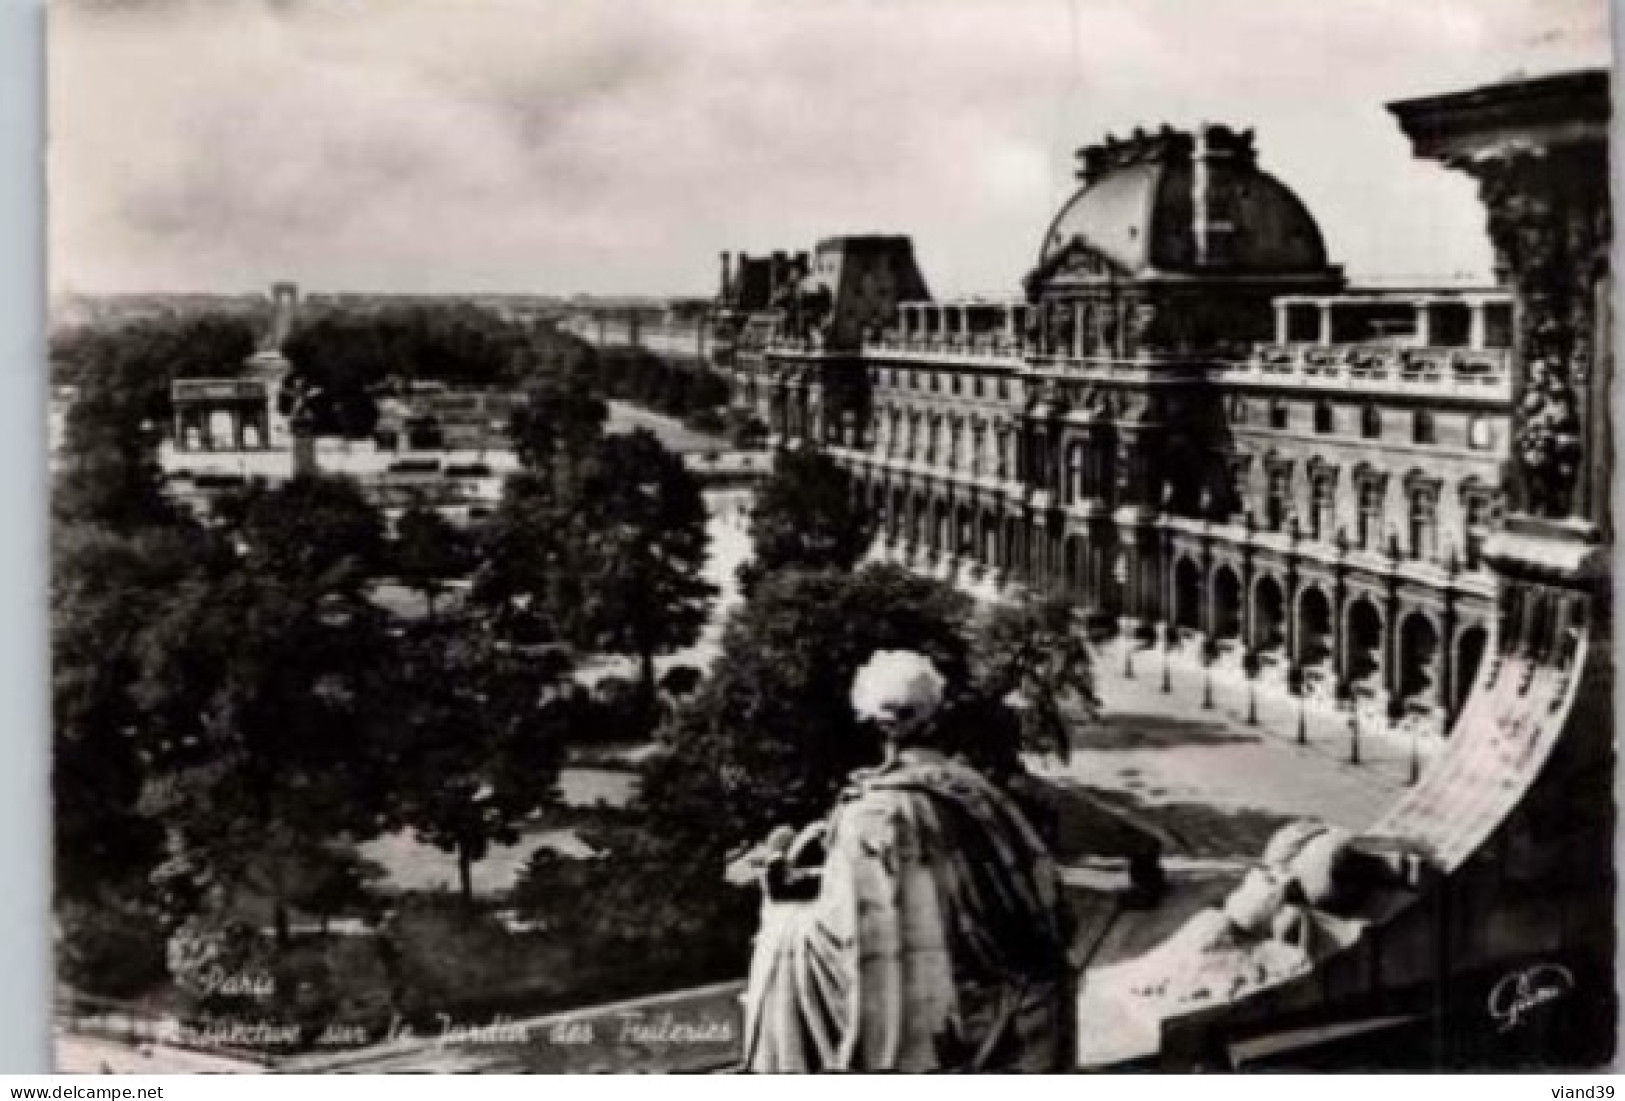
(1519,992)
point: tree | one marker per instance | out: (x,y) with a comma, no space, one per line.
(807,516)
(260,728)
(770,736)
(107,587)
(353,355)
(315,532)
(429,551)
(478,738)
(641,521)
(1034,654)
(259,687)
(561,418)
(526,572)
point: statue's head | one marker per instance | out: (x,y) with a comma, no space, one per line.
(900,691)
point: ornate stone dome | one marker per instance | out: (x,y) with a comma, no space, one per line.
(1177,203)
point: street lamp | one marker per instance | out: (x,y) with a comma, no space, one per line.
(1303,715)
(1250,664)
(1207,676)
(1167,655)
(1354,729)
(1398,712)
(1120,577)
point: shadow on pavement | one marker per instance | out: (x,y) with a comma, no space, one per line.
(1138,730)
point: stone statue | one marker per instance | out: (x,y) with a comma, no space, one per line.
(920,927)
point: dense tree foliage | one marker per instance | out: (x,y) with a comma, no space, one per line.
(355,356)
(429,552)
(1035,654)
(807,515)
(477,739)
(771,736)
(561,418)
(261,728)
(642,520)
(107,588)
(108,470)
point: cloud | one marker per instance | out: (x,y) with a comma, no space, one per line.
(589,145)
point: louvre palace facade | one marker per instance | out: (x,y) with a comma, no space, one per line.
(1187,421)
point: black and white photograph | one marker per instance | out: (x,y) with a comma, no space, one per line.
(730,536)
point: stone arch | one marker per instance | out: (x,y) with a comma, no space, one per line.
(1269,615)
(1419,661)
(919,518)
(989,546)
(1187,610)
(1227,608)
(1077,456)
(1316,641)
(964,530)
(1363,638)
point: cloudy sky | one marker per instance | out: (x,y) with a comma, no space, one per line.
(618,145)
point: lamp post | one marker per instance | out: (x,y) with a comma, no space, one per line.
(1120,576)
(1354,729)
(1415,773)
(1167,656)
(1207,676)
(1250,665)
(1301,687)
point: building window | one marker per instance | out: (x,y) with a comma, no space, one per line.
(953,383)
(1004,389)
(1424,521)
(1238,411)
(1371,422)
(1479,514)
(931,381)
(1279,498)
(1280,414)
(1322,504)
(976,386)
(1480,434)
(1370,526)
(1323,417)
(1422,427)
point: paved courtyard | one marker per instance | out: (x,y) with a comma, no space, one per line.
(1207,783)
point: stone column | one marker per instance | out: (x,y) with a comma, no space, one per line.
(1424,324)
(1477,324)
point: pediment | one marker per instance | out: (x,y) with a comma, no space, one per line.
(1075,259)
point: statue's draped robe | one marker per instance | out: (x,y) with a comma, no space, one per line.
(937,941)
